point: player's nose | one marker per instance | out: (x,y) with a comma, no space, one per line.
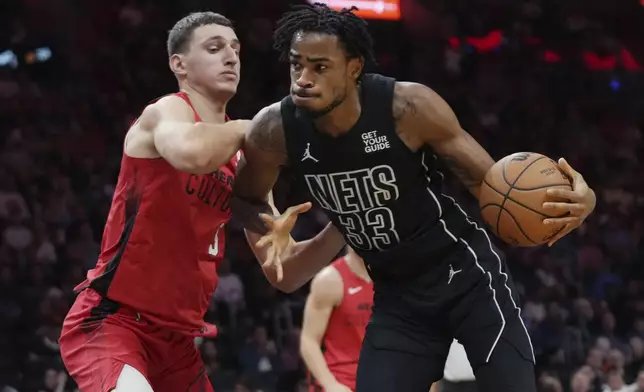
(232,58)
(306,79)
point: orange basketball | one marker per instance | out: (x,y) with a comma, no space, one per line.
(512,197)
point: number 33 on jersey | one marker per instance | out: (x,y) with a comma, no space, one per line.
(359,199)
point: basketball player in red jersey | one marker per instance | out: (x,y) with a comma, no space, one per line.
(336,315)
(133,323)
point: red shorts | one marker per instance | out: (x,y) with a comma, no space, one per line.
(99,338)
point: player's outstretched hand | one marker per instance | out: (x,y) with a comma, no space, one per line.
(581,202)
(278,237)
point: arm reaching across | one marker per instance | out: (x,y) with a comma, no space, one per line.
(287,264)
(426,119)
(167,129)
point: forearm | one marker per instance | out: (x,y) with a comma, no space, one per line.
(303,260)
(198,148)
(251,192)
(470,170)
(248,214)
(217,144)
(315,362)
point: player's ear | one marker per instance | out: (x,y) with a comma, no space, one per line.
(177,64)
(355,67)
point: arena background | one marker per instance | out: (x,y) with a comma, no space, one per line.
(556,77)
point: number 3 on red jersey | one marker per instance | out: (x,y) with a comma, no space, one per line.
(213,249)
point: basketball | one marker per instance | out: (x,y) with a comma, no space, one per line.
(512,197)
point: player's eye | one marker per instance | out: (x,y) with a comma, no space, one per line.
(295,66)
(321,68)
(213,49)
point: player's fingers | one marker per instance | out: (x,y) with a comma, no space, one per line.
(565,166)
(269,220)
(562,220)
(279,270)
(298,209)
(277,251)
(269,260)
(265,240)
(572,207)
(563,194)
(567,229)
(270,255)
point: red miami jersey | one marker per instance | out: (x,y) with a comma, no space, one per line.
(345,331)
(163,240)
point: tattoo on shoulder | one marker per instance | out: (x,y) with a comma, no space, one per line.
(268,133)
(467,178)
(404,105)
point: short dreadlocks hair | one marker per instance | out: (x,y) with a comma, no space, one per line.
(179,36)
(350,29)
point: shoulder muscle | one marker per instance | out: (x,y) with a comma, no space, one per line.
(423,113)
(139,141)
(170,108)
(327,287)
(266,133)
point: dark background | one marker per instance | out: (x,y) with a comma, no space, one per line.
(556,77)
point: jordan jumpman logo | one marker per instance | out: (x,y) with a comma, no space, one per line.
(307,154)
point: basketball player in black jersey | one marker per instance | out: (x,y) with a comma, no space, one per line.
(366,148)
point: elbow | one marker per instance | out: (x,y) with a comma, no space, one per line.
(308,342)
(304,347)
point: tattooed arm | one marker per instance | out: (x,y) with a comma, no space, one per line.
(264,155)
(424,118)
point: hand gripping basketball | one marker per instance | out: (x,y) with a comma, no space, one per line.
(581,202)
(279,238)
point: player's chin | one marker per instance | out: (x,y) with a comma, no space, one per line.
(308,103)
(226,87)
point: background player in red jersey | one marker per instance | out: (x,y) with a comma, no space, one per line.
(336,315)
(133,323)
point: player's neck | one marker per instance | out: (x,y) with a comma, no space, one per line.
(209,109)
(341,119)
(356,265)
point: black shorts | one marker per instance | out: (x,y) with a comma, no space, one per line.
(467,295)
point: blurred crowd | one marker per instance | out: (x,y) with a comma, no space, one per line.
(519,78)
